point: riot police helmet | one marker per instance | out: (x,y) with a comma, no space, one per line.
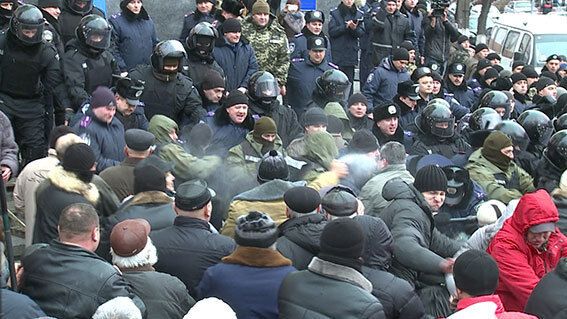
(263,87)
(334,85)
(81,7)
(484,118)
(27,24)
(561,122)
(167,53)
(498,101)
(94,32)
(437,119)
(458,184)
(538,126)
(439,101)
(4,11)
(516,133)
(202,38)
(556,150)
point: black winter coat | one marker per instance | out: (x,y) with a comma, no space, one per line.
(344,41)
(164,296)
(438,39)
(237,61)
(69,20)
(425,144)
(561,203)
(299,239)
(389,31)
(396,295)
(188,248)
(70,282)
(418,246)
(547,175)
(196,68)
(549,298)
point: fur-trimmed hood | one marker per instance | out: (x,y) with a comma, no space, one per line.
(339,272)
(69,182)
(149,197)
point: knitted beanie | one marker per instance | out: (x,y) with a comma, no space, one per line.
(363,141)
(342,242)
(476,273)
(233,98)
(430,178)
(491,149)
(78,158)
(357,98)
(255,229)
(261,6)
(264,125)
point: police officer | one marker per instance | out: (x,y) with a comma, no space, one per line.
(553,162)
(167,91)
(436,132)
(87,62)
(51,10)
(456,108)
(205,12)
(304,71)
(455,84)
(72,13)
(200,45)
(331,86)
(129,109)
(263,92)
(28,66)
(298,47)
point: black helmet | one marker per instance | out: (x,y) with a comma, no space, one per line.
(434,117)
(497,99)
(333,84)
(516,132)
(538,126)
(201,39)
(8,13)
(165,51)
(81,7)
(484,119)
(263,87)
(561,122)
(420,72)
(27,19)
(272,166)
(556,150)
(95,32)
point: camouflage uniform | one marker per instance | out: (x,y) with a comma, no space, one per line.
(271,47)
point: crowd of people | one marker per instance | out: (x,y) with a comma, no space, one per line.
(237,172)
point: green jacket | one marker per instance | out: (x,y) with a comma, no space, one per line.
(247,155)
(271,47)
(499,185)
(320,151)
(185,166)
(336,109)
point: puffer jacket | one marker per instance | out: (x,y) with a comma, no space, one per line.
(328,290)
(188,248)
(549,297)
(299,239)
(396,295)
(186,166)
(419,247)
(521,265)
(134,37)
(371,193)
(489,306)
(500,185)
(68,281)
(268,198)
(382,84)
(8,146)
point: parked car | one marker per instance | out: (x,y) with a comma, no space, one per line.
(519,7)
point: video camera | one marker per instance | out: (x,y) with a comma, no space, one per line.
(438,7)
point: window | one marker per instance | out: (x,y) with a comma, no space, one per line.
(525,48)
(499,40)
(510,44)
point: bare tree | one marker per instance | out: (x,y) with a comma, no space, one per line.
(481,31)
(463,13)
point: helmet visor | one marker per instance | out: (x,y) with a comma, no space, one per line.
(443,127)
(98,39)
(30,33)
(266,89)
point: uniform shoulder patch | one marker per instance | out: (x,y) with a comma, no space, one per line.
(296,60)
(116,15)
(299,35)
(370,78)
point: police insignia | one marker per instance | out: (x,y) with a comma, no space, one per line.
(291,47)
(392,109)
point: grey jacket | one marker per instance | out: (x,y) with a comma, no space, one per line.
(8,146)
(371,193)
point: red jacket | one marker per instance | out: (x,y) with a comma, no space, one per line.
(499,311)
(522,266)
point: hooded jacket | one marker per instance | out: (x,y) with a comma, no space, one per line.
(521,265)
(246,157)
(396,295)
(549,298)
(299,239)
(133,37)
(185,165)
(419,247)
(336,109)
(382,84)
(497,184)
(8,146)
(320,151)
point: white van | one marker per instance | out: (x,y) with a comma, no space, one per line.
(528,37)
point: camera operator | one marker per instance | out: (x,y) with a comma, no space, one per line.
(439,33)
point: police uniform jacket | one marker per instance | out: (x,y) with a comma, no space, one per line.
(301,81)
(382,84)
(298,45)
(345,40)
(69,20)
(238,62)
